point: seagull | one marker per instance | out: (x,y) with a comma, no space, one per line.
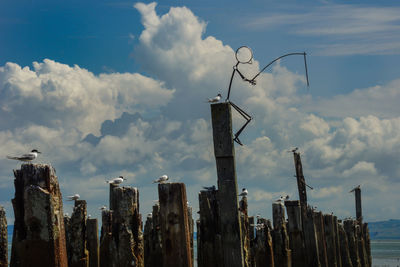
(162,179)
(214,99)
(117,180)
(26,157)
(149,215)
(74,197)
(287,197)
(209,188)
(295,149)
(354,189)
(102,208)
(244,193)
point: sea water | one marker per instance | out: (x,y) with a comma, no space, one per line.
(385,253)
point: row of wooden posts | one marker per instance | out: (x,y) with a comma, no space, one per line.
(226,235)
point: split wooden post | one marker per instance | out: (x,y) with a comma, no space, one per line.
(244,224)
(39,234)
(367,241)
(295,231)
(174,225)
(280,239)
(337,242)
(92,233)
(319,229)
(108,249)
(191,231)
(152,239)
(227,185)
(310,237)
(3,239)
(330,239)
(251,222)
(78,255)
(264,252)
(350,228)
(344,247)
(209,242)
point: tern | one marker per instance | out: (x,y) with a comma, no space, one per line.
(209,188)
(103,208)
(117,180)
(244,193)
(26,157)
(74,197)
(162,179)
(354,189)
(214,99)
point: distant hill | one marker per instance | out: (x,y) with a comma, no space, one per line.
(385,229)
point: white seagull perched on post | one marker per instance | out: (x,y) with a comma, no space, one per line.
(244,193)
(102,208)
(26,157)
(74,197)
(162,179)
(214,99)
(117,180)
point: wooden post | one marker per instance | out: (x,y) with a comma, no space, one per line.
(310,237)
(264,254)
(92,233)
(78,255)
(350,228)
(191,231)
(367,241)
(252,262)
(174,225)
(280,239)
(3,239)
(330,239)
(227,185)
(295,231)
(39,234)
(320,231)
(209,248)
(361,246)
(337,242)
(127,226)
(244,224)
(152,239)
(357,194)
(301,182)
(108,248)
(199,250)
(344,247)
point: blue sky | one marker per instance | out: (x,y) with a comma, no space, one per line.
(109,88)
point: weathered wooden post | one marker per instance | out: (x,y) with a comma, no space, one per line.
(39,234)
(280,239)
(330,239)
(350,228)
(244,224)
(295,231)
(199,252)
(229,217)
(78,255)
(344,247)
(357,194)
(252,262)
(367,241)
(209,248)
(361,246)
(108,248)
(310,237)
(174,225)
(320,231)
(301,182)
(337,241)
(152,239)
(191,231)
(127,226)
(92,234)
(3,239)
(264,252)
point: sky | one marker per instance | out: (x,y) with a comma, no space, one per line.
(107,88)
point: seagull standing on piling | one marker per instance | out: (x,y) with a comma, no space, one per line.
(209,188)
(117,180)
(26,157)
(162,179)
(102,208)
(74,197)
(244,193)
(214,99)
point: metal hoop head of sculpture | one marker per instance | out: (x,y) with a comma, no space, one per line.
(244,55)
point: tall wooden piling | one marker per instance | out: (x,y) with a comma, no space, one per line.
(344,247)
(3,239)
(301,182)
(92,234)
(78,255)
(357,194)
(310,237)
(280,239)
(367,241)
(174,225)
(244,224)
(295,232)
(39,234)
(330,239)
(264,252)
(209,243)
(227,185)
(337,242)
(320,232)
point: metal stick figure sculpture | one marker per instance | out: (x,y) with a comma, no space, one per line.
(244,55)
